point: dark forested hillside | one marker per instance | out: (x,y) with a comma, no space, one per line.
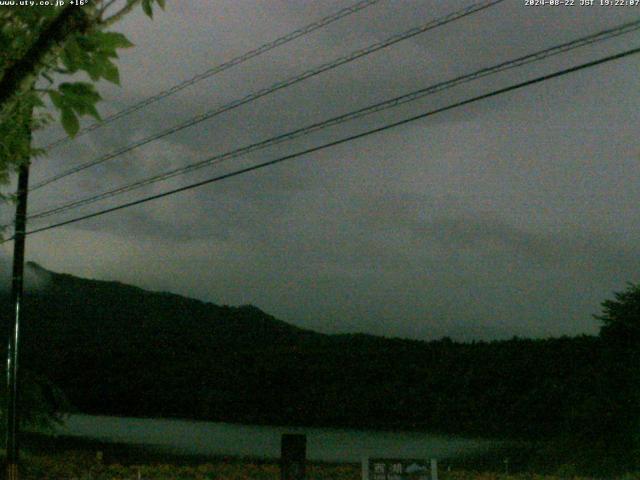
(117,349)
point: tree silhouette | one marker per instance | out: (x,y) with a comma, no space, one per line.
(621,318)
(620,335)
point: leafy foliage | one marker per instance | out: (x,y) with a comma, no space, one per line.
(620,333)
(73,100)
(41,403)
(15,144)
(621,317)
(147,6)
(90,51)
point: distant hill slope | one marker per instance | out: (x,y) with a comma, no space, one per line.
(117,349)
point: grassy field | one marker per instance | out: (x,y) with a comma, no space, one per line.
(82,466)
(110,464)
(66,458)
(76,465)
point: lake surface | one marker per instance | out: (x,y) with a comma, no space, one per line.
(323,444)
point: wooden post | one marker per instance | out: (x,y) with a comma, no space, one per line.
(293,456)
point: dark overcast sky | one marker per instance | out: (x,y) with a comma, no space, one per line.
(514,216)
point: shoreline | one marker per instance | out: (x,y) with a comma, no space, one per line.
(380,428)
(147,454)
(124,453)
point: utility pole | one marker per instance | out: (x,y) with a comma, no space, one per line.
(17,283)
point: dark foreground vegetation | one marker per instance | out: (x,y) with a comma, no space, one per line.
(119,350)
(74,458)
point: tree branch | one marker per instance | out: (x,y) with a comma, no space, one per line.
(20,75)
(105,7)
(119,14)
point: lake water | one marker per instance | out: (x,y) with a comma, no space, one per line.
(323,444)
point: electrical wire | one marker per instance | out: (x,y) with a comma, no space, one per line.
(391,103)
(474,8)
(356,7)
(341,141)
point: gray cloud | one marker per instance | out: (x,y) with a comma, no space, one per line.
(516,215)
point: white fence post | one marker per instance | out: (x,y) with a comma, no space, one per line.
(365,468)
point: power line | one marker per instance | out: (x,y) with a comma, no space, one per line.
(391,103)
(345,12)
(341,141)
(476,7)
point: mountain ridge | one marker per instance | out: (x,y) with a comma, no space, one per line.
(116,349)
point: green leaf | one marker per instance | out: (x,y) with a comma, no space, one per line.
(110,72)
(70,122)
(88,41)
(68,61)
(91,110)
(80,89)
(110,54)
(79,98)
(92,53)
(57,99)
(147,8)
(72,55)
(37,101)
(87,63)
(161,3)
(94,70)
(112,40)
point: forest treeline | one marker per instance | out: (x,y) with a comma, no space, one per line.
(120,350)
